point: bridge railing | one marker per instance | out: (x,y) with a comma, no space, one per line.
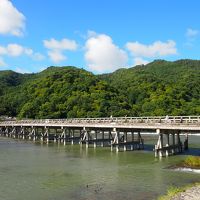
(113,120)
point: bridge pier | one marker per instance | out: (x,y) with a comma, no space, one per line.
(22,132)
(127,142)
(162,150)
(123,134)
(72,136)
(186,142)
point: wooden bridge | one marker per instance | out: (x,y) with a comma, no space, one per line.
(121,133)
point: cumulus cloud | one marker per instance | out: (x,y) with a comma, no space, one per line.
(64,44)
(57,48)
(102,55)
(11,20)
(191,33)
(140,61)
(16,50)
(156,49)
(56,56)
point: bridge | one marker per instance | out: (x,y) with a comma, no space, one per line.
(119,133)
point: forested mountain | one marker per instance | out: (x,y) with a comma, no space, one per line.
(158,88)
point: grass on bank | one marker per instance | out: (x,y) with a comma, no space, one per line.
(173,191)
(192,161)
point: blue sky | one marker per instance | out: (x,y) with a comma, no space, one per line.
(97,35)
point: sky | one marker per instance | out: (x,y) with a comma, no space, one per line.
(97,35)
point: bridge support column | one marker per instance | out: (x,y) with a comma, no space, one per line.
(1,131)
(110,138)
(85,137)
(159,145)
(102,143)
(63,136)
(132,139)
(173,143)
(34,133)
(42,135)
(46,134)
(140,141)
(22,132)
(7,132)
(115,142)
(125,140)
(95,139)
(186,142)
(72,136)
(81,137)
(13,132)
(167,145)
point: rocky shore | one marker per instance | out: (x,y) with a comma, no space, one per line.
(192,193)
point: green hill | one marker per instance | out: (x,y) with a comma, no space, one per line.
(158,88)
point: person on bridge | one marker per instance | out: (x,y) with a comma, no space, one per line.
(167,119)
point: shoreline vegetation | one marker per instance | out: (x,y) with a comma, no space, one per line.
(190,162)
(175,193)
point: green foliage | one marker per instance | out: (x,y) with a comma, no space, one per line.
(174,191)
(171,192)
(159,88)
(192,161)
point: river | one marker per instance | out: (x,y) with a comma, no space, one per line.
(35,171)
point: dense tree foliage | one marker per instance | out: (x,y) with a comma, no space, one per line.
(159,88)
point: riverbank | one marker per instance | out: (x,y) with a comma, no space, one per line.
(190,192)
(190,164)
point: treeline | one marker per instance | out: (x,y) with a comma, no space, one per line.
(159,88)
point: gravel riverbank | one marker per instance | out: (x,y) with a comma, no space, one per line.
(192,193)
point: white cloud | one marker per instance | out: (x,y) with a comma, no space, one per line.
(2,63)
(140,61)
(102,55)
(11,20)
(15,50)
(191,33)
(56,56)
(57,48)
(156,49)
(64,44)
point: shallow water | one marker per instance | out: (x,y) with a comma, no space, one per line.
(30,171)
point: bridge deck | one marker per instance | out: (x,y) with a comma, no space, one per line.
(121,132)
(185,123)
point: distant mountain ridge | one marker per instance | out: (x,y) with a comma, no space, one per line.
(158,88)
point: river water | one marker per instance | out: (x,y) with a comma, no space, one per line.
(35,171)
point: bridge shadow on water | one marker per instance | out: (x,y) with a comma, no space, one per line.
(190,152)
(148,147)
